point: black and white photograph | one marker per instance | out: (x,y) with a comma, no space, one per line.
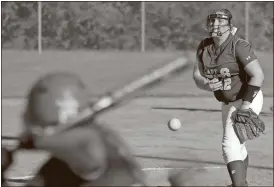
(136,93)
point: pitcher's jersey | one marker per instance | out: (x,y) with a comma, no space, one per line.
(227,63)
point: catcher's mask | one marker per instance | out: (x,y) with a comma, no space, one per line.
(54,100)
(217,20)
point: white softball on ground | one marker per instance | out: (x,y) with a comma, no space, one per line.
(174,124)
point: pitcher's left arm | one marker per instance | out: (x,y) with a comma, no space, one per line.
(247,58)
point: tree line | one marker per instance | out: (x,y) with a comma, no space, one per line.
(117,25)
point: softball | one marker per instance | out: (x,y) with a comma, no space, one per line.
(174,124)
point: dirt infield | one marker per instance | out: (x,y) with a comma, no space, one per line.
(195,149)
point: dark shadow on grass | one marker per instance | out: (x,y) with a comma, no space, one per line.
(200,110)
(185,108)
(197,161)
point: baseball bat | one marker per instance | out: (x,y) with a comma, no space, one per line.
(115,97)
(120,95)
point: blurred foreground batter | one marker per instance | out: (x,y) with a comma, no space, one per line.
(86,155)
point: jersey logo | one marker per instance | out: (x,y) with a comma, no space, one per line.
(255,93)
(224,74)
(248,58)
(68,107)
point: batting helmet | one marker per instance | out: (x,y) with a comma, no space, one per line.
(53,100)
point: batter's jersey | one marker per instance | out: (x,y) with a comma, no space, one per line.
(227,62)
(119,170)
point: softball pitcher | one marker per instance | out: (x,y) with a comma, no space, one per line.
(227,66)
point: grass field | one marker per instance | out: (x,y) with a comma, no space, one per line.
(195,149)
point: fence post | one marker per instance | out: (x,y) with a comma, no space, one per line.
(246,20)
(143,26)
(39,27)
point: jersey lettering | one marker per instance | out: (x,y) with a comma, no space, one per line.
(224,75)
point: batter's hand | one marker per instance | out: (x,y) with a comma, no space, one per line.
(215,84)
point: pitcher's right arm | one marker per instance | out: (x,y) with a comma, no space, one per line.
(200,80)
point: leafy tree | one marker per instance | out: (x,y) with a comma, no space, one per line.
(117,25)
